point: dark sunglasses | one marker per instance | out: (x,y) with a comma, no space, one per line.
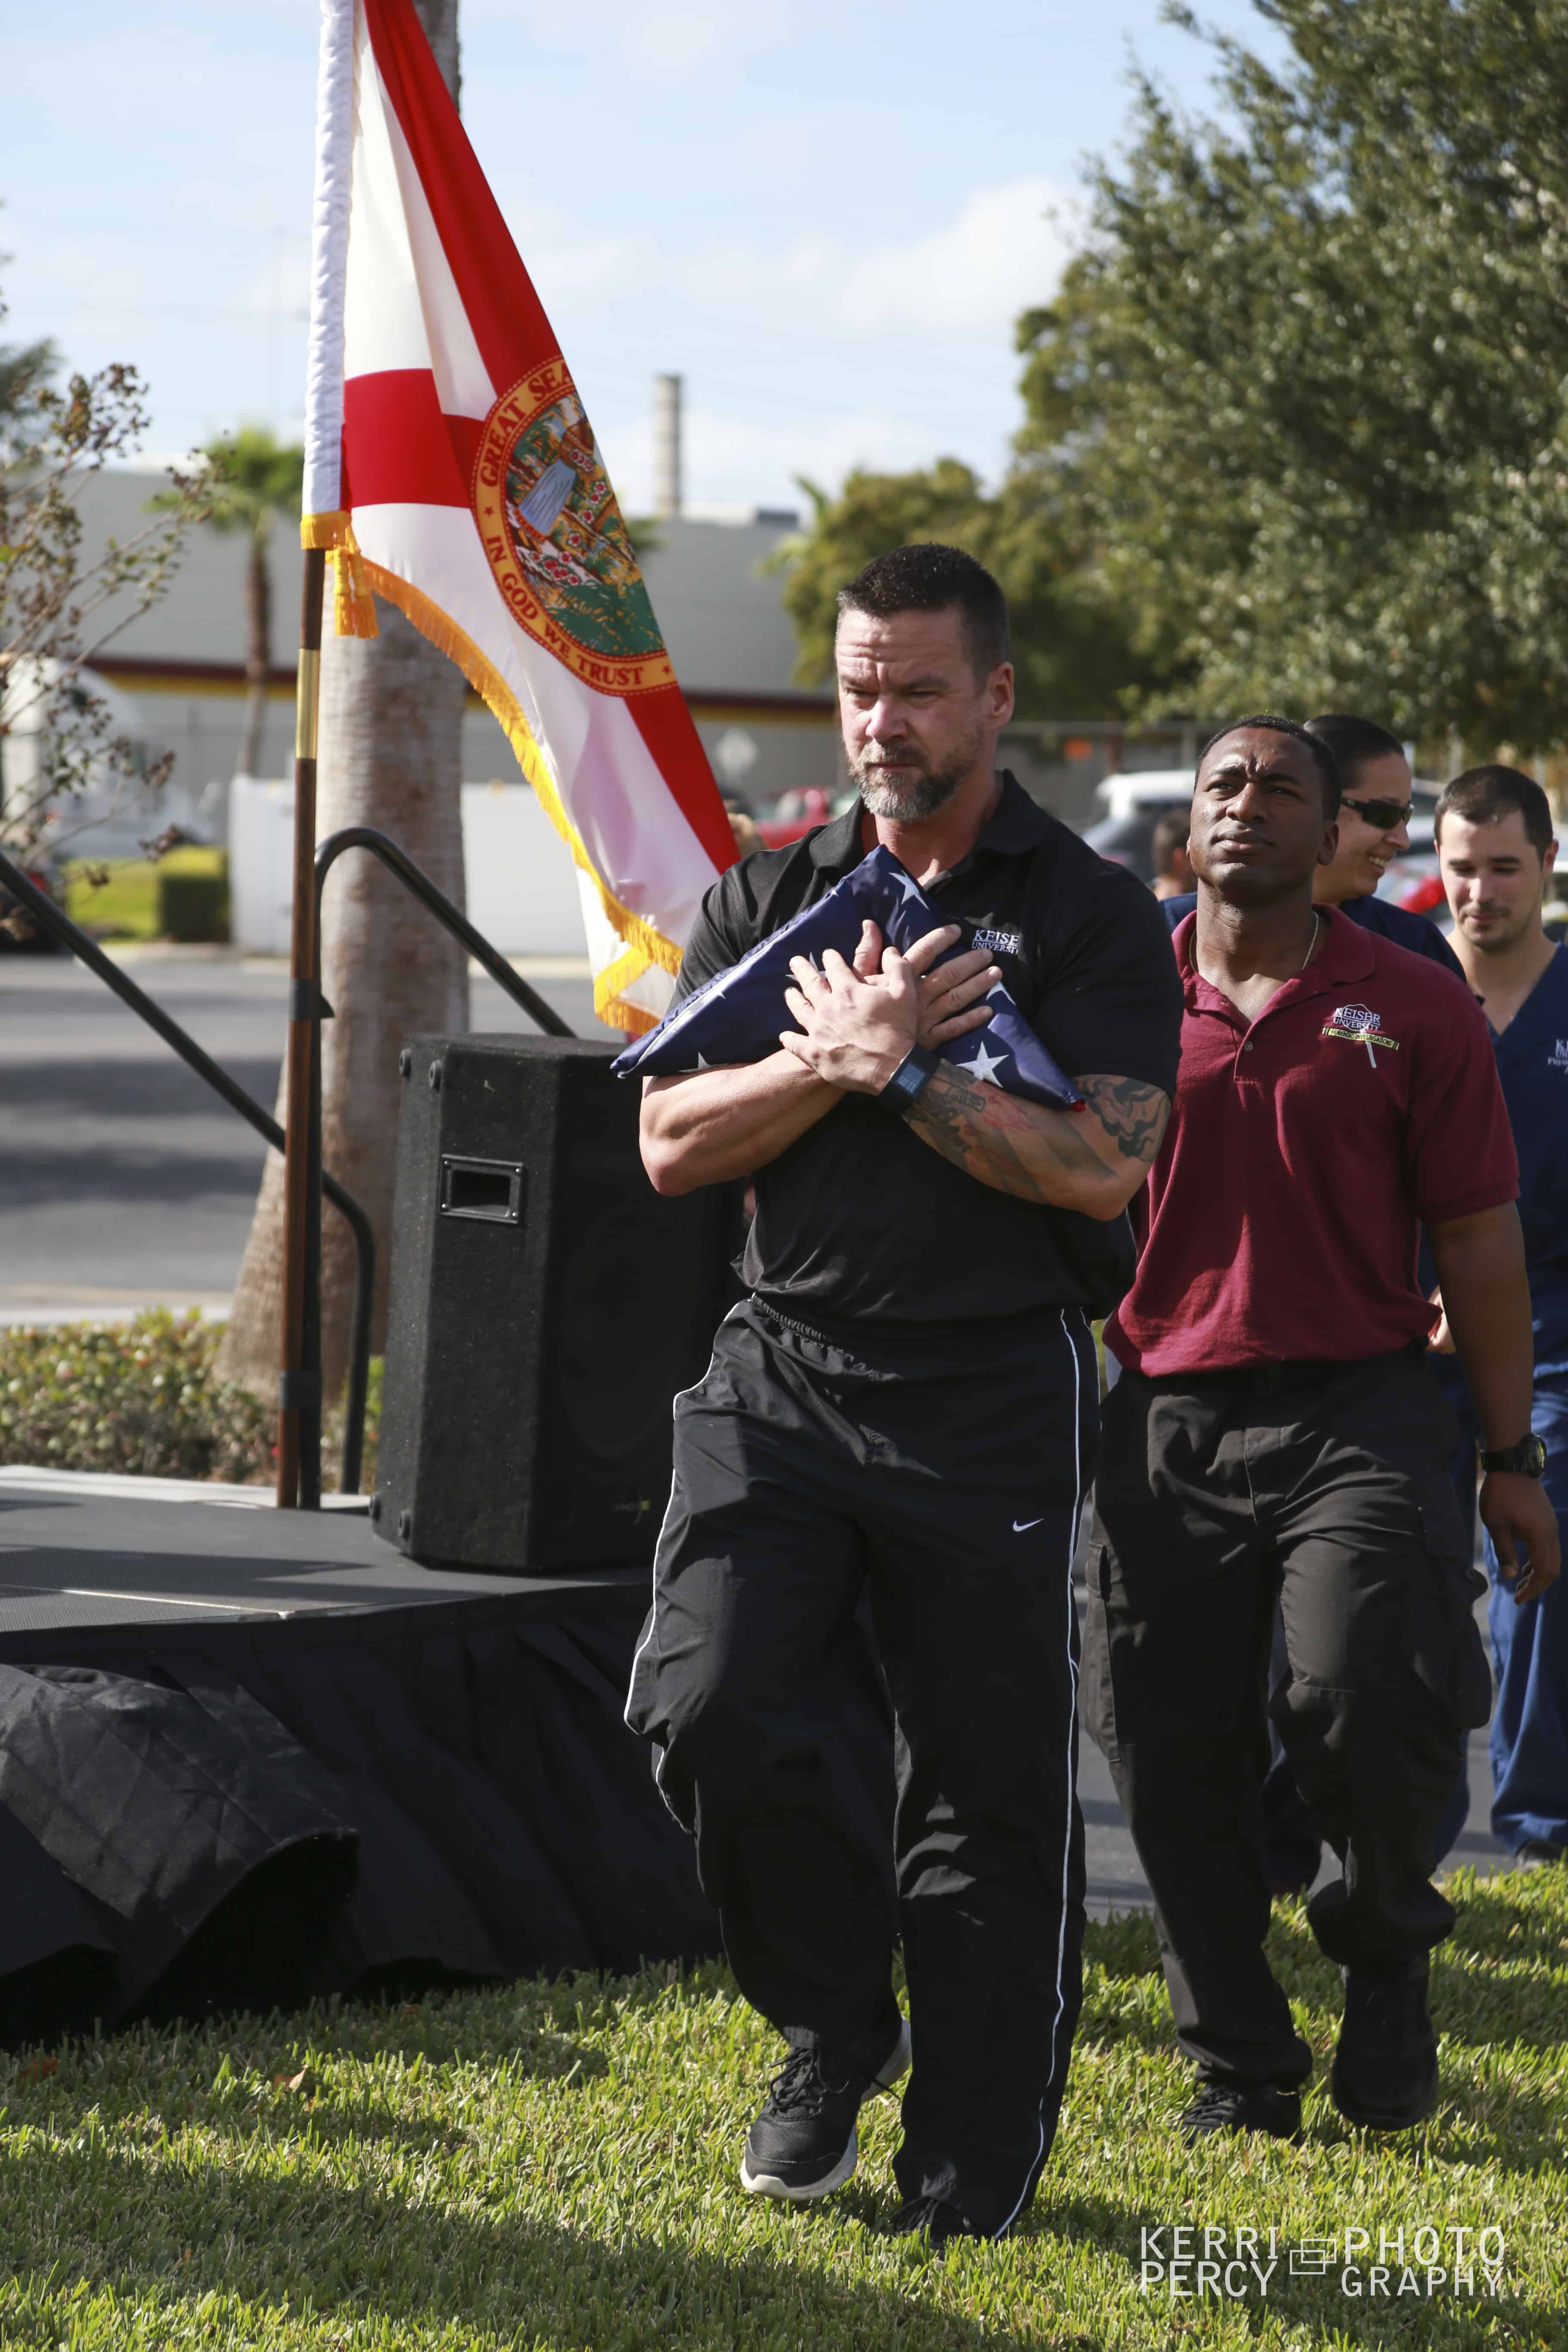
(1383,814)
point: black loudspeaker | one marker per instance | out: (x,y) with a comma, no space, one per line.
(545,1308)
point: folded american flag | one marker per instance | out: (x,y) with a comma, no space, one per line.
(737,1016)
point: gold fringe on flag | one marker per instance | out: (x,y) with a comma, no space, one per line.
(353,607)
(645,946)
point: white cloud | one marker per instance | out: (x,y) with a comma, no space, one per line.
(808,354)
(1004,251)
(668,45)
(671,44)
(967,277)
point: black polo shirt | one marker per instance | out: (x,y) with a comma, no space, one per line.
(861,1219)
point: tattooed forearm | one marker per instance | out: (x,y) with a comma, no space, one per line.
(1016,1147)
(1133,1115)
(1093,1160)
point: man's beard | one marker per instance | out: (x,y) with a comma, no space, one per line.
(1502,936)
(906,798)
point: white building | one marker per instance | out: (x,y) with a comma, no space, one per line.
(728,636)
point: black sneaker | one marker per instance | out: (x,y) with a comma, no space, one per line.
(803,2143)
(933,2219)
(1538,1854)
(1385,2068)
(1239,2106)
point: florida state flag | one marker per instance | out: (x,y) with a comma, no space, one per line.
(448,466)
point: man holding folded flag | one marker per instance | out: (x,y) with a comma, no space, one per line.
(905,1403)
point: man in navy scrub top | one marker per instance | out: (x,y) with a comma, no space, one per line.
(1495,844)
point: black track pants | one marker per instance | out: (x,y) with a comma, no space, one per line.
(1329,1487)
(941,1471)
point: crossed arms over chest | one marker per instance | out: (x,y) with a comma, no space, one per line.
(709,1126)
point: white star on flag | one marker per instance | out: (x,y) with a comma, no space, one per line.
(908,886)
(984,1065)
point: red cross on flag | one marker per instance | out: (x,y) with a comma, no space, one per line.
(450,466)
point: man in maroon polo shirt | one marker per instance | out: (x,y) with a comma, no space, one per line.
(1275,1432)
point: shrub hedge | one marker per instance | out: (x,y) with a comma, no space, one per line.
(182,895)
(139,1397)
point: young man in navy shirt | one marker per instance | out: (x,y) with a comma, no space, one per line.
(1373,829)
(1275,1433)
(1496,849)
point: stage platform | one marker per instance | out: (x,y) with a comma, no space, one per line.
(80,1553)
(249,1756)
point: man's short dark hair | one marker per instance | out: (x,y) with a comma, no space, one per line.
(1481,795)
(926,577)
(1169,834)
(1353,740)
(1322,757)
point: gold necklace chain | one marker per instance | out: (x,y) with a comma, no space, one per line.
(1312,943)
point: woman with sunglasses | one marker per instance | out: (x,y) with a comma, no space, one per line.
(1374,820)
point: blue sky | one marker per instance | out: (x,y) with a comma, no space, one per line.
(825,214)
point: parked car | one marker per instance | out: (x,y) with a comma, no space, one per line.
(1135,800)
(1412,880)
(796,813)
(793,817)
(20,934)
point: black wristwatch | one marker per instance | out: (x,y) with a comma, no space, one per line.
(1528,1458)
(904,1088)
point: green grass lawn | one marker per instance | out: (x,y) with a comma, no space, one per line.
(553,2165)
(123,901)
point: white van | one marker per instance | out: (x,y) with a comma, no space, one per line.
(1134,800)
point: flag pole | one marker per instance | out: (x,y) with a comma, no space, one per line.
(300,1383)
(323,526)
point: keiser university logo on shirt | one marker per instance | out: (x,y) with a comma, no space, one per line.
(1558,1057)
(1358,1026)
(1000,942)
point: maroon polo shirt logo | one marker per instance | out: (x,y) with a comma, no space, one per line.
(1361,1025)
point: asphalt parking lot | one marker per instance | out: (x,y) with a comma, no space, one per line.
(124,1180)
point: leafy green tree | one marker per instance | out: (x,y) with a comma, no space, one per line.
(870,513)
(1309,375)
(63,600)
(256,480)
(25,373)
(27,370)
(1072,652)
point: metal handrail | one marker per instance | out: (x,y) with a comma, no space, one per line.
(397,862)
(58,924)
(381,846)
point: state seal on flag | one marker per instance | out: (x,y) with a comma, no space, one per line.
(556,542)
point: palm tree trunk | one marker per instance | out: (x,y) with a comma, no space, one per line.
(258,644)
(391,728)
